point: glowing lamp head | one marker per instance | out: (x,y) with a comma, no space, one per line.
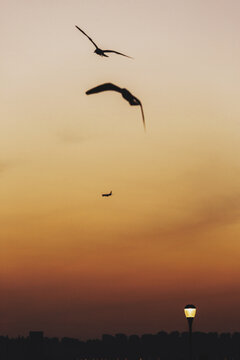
(190,311)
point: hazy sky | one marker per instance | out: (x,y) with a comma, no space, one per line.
(71,262)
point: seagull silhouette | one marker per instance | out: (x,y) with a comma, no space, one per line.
(125,94)
(99,51)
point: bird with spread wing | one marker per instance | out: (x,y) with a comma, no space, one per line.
(125,94)
(99,51)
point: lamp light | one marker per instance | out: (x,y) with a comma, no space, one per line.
(190,311)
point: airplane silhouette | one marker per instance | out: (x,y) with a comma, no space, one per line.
(125,94)
(108,194)
(99,51)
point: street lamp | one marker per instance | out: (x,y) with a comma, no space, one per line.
(190,312)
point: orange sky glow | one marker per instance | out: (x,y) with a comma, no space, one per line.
(71,262)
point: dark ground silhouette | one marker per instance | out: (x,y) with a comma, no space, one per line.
(160,346)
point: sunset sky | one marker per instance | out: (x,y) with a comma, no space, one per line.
(71,262)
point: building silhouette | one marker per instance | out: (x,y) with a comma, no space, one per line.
(160,346)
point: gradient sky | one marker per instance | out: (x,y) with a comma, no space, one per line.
(76,264)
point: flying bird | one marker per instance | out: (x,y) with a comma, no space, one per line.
(125,94)
(108,194)
(99,51)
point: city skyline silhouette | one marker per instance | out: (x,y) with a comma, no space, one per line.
(120,346)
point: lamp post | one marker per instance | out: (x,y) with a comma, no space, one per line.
(190,312)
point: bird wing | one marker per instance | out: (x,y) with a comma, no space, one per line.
(116,52)
(138,102)
(87,36)
(143,117)
(104,87)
